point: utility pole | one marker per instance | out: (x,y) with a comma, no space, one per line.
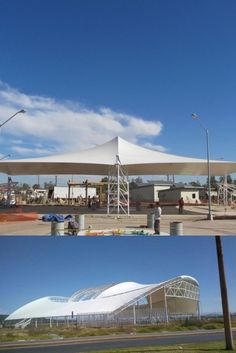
(224,297)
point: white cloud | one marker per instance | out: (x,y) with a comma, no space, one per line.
(33,150)
(17,142)
(155,147)
(16,98)
(65,126)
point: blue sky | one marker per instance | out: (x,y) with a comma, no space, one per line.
(88,70)
(32,267)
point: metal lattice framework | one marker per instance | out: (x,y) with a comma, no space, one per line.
(118,189)
(23,323)
(182,289)
(226,194)
(136,312)
(89,293)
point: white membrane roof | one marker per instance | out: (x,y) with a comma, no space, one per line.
(97,160)
(105,300)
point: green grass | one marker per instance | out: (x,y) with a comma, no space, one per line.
(44,332)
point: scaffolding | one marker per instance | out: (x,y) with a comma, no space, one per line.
(8,189)
(226,194)
(118,189)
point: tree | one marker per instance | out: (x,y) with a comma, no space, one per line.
(104,180)
(132,184)
(213,182)
(48,185)
(36,186)
(229,179)
(138,180)
(195,183)
(25,186)
(104,187)
(19,187)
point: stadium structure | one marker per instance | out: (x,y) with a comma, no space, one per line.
(114,304)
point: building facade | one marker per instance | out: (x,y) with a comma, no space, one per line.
(148,192)
(189,194)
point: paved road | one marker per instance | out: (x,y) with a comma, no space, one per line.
(102,343)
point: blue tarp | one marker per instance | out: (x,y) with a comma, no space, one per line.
(52,217)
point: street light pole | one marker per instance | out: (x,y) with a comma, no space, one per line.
(6,156)
(209,216)
(22,111)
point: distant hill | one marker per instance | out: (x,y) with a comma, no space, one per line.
(216,314)
(3,317)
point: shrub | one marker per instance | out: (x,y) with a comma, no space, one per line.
(212,326)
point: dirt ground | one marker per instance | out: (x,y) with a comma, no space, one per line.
(194,220)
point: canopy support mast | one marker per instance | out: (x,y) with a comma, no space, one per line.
(118,189)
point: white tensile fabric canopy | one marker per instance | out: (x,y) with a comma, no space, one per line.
(111,299)
(135,159)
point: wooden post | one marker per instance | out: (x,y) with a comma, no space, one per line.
(224,297)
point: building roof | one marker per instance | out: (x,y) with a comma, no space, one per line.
(97,161)
(101,300)
(149,185)
(184,187)
(158,182)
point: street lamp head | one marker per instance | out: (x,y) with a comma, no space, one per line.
(194,116)
(22,111)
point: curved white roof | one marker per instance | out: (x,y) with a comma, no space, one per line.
(102,300)
(97,160)
(121,288)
